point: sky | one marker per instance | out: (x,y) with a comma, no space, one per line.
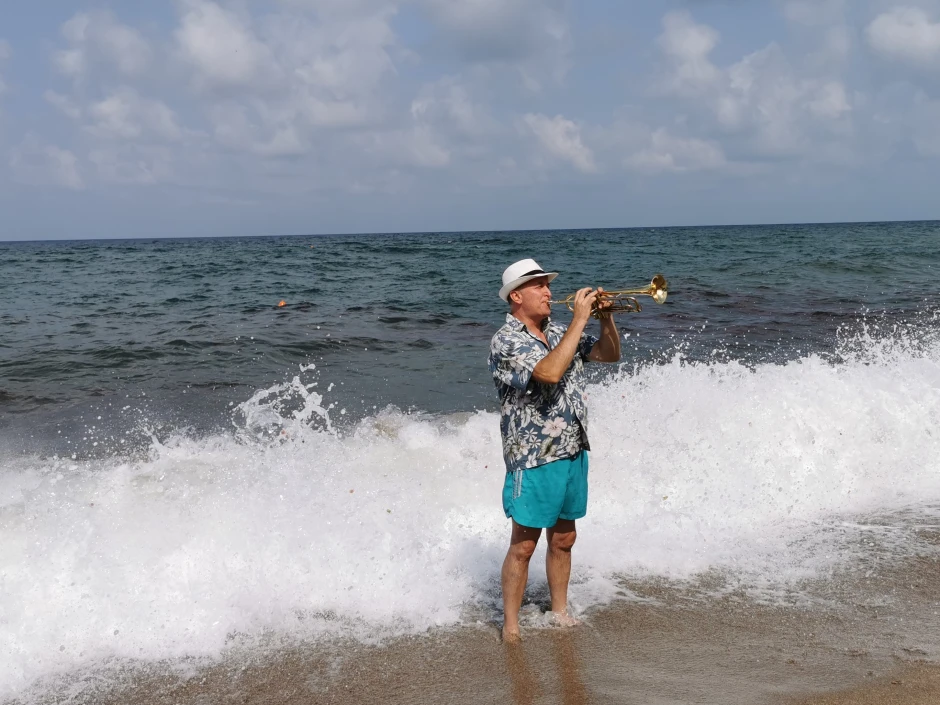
(259,117)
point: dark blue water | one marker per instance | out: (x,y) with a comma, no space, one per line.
(174,332)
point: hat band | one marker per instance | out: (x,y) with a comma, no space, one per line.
(534,271)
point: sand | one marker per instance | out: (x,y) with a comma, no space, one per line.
(727,653)
(915,685)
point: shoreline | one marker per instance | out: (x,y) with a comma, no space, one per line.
(728,652)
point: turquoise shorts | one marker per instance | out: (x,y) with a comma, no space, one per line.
(538,497)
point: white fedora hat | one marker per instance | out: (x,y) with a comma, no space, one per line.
(519,273)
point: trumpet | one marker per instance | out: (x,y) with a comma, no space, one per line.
(624,300)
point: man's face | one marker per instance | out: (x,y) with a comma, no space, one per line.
(533,298)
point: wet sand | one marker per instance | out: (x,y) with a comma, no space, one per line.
(914,685)
(730,653)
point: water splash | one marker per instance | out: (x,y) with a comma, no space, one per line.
(291,529)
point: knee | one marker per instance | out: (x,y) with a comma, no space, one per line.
(522,550)
(563,542)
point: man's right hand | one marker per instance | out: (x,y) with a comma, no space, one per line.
(583,305)
(551,368)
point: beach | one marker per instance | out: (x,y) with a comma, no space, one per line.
(208,497)
(730,654)
(667,644)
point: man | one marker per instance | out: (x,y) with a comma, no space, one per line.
(538,367)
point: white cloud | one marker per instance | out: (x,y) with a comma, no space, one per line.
(126,115)
(99,38)
(762,97)
(828,101)
(424,149)
(561,138)
(270,85)
(688,45)
(221,47)
(38,163)
(310,94)
(668,153)
(906,34)
(449,105)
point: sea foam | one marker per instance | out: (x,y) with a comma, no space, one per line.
(289,529)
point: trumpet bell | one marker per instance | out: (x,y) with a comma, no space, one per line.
(659,289)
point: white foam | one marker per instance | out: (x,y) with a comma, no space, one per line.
(288,528)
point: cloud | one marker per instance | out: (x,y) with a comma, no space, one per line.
(561,138)
(126,115)
(221,47)
(294,96)
(762,98)
(668,153)
(687,46)
(449,105)
(37,163)
(906,34)
(98,38)
(233,128)
(270,85)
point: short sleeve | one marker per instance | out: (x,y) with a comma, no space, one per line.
(513,359)
(586,344)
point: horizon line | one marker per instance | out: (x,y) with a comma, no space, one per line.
(481,232)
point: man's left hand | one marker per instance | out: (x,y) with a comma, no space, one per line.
(602,304)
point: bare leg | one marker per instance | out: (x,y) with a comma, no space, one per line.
(515,574)
(561,538)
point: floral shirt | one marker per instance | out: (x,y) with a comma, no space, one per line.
(540,423)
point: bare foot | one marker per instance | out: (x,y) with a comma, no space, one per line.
(563,619)
(511,636)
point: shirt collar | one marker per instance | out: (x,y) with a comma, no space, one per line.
(518,325)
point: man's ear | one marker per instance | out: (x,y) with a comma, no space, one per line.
(515,297)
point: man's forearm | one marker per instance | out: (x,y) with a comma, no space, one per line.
(551,368)
(608,347)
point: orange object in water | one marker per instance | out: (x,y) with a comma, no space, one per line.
(283,303)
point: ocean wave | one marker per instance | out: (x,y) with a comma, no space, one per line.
(287,526)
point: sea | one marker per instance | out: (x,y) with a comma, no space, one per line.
(213,449)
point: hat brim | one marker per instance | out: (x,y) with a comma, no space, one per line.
(516,283)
